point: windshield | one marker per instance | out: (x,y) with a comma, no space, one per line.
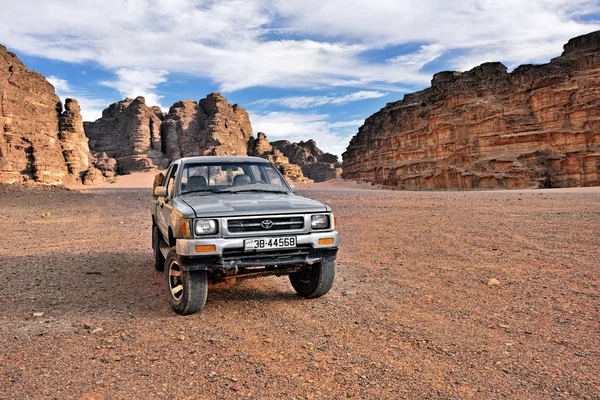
(231,177)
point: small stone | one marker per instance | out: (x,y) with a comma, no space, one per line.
(97,330)
(45,215)
(38,314)
(236,387)
(181,338)
(87,326)
(268,340)
(493,282)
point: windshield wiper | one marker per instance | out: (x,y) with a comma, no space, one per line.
(249,190)
(200,191)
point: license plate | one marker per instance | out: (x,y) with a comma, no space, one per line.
(270,243)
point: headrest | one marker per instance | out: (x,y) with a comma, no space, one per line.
(241,180)
(196,183)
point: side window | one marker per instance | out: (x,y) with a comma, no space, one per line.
(171,181)
(274,177)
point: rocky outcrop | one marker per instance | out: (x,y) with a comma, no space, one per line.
(93,176)
(538,126)
(140,138)
(76,151)
(38,142)
(129,132)
(315,164)
(210,127)
(261,147)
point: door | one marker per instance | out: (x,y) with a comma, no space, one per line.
(165,204)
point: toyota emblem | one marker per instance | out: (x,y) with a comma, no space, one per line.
(267,224)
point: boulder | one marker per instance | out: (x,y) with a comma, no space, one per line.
(93,176)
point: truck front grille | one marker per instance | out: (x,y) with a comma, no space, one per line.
(265,224)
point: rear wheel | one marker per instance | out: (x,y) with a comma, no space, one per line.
(186,290)
(314,281)
(159,259)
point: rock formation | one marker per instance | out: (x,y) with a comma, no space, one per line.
(315,164)
(140,138)
(37,140)
(75,147)
(260,147)
(209,127)
(129,132)
(538,126)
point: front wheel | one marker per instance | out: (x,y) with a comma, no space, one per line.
(314,281)
(186,290)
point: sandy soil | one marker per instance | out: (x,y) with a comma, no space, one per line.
(410,315)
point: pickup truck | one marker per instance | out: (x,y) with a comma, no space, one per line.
(216,218)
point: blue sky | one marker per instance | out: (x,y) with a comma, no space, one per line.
(302,68)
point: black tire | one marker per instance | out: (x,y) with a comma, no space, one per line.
(159,259)
(314,281)
(193,286)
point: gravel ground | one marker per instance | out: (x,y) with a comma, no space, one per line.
(411,314)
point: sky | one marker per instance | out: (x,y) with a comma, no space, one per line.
(303,69)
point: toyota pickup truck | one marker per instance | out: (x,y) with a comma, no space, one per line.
(216,218)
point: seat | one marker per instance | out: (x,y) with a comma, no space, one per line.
(241,180)
(196,183)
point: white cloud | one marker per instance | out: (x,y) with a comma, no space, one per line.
(133,82)
(249,43)
(296,126)
(59,84)
(316,101)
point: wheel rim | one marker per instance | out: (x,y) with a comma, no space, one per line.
(307,275)
(175,280)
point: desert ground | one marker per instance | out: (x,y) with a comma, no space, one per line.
(411,314)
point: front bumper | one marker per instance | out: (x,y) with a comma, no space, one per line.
(230,255)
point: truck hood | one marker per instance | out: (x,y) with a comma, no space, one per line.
(241,204)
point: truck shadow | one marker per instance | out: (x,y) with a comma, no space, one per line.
(107,284)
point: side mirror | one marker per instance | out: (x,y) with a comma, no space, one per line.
(160,191)
(293,188)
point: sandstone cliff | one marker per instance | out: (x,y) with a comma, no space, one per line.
(261,147)
(538,126)
(37,140)
(140,138)
(129,132)
(209,127)
(315,164)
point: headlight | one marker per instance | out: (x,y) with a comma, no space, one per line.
(319,222)
(206,226)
